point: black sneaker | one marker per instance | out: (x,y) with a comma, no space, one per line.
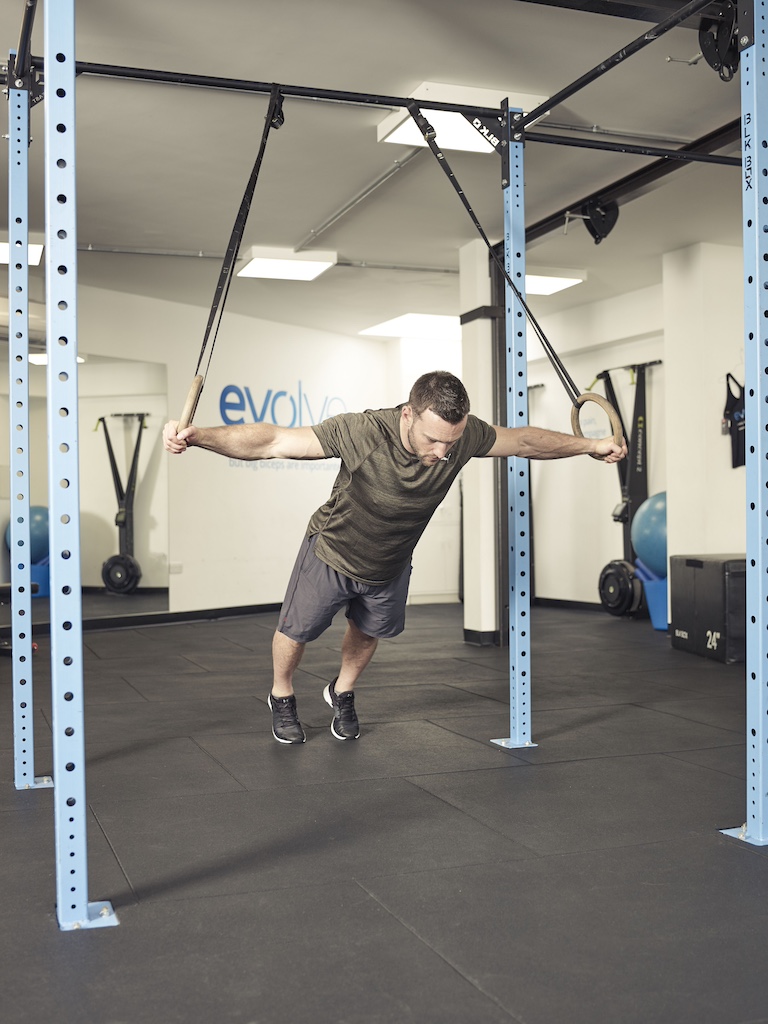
(344,724)
(286,727)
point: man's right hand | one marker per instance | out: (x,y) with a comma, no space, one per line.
(177,443)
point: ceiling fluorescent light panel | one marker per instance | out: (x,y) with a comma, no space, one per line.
(34,253)
(286,264)
(453,131)
(549,282)
(424,326)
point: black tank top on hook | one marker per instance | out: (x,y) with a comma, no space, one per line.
(733,419)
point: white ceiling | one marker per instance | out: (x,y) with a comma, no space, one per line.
(163,167)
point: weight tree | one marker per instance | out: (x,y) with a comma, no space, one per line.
(70,807)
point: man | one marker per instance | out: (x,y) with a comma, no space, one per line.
(396,467)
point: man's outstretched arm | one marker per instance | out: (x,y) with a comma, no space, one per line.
(537,443)
(246,441)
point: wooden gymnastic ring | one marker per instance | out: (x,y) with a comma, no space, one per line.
(608,409)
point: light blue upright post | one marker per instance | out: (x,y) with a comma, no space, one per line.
(18,377)
(754,137)
(70,808)
(517,416)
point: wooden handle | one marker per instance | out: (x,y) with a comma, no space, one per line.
(188,412)
(605,405)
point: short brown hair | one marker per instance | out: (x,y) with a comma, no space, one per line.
(441,392)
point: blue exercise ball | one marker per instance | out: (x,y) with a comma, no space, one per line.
(38,534)
(649,533)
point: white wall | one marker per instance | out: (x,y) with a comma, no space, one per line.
(228,532)
(235,527)
(574,535)
(693,322)
(221,533)
(108,389)
(104,389)
(704,327)
(481,614)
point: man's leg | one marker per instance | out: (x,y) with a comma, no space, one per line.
(357,649)
(286,655)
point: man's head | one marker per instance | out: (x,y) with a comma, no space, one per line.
(441,392)
(435,416)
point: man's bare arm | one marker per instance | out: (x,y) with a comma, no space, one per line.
(247,441)
(537,443)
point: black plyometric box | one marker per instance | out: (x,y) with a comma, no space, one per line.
(708,595)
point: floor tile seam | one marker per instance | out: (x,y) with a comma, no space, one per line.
(484,662)
(473,982)
(472,739)
(694,698)
(684,718)
(35,812)
(115,854)
(191,661)
(294,887)
(682,690)
(616,756)
(219,763)
(186,700)
(692,830)
(416,717)
(691,836)
(465,689)
(520,752)
(138,693)
(534,854)
(580,706)
(675,756)
(747,848)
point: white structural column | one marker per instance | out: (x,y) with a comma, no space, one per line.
(481,615)
(70,807)
(754,136)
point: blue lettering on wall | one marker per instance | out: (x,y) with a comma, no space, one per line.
(283,408)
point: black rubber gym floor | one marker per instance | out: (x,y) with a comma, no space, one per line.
(417,875)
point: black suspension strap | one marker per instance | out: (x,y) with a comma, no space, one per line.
(274,119)
(577,399)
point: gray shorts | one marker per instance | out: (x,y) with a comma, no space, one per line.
(316,592)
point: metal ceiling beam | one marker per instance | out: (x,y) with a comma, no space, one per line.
(681,155)
(330,96)
(651,11)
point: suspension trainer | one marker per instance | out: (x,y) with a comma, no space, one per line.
(577,399)
(274,119)
(121,573)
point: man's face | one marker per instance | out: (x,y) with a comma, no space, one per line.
(428,436)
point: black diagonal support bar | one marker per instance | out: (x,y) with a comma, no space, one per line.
(695,7)
(22,61)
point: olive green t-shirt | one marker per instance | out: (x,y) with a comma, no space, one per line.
(383,497)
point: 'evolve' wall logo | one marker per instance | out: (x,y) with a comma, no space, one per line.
(283,408)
